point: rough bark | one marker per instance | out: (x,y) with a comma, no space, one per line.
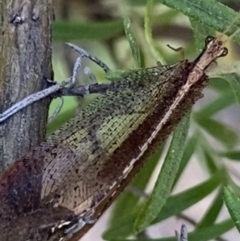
(25,59)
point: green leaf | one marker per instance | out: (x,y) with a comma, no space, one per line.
(167,175)
(133,42)
(234,81)
(231,184)
(223,101)
(204,234)
(221,132)
(68,31)
(124,226)
(200,32)
(148,32)
(232,155)
(209,159)
(208,12)
(212,213)
(188,151)
(233,204)
(165,18)
(219,84)
(190,197)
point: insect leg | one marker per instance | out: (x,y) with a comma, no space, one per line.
(90,75)
(82,221)
(85,54)
(57,110)
(183,234)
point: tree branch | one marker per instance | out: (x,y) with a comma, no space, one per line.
(25,57)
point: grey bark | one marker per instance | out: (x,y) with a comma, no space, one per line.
(25,61)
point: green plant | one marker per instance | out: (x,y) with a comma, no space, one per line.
(206,17)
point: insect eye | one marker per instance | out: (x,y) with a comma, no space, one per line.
(208,39)
(225,52)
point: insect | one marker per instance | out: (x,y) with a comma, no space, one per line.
(61,188)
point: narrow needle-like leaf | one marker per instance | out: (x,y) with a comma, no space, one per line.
(233,205)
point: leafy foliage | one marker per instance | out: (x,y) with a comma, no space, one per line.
(212,141)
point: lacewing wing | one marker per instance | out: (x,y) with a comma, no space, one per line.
(77,173)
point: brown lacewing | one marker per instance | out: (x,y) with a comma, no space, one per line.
(59,189)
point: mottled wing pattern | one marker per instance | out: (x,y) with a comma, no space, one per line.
(73,173)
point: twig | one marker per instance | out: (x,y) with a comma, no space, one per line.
(57,88)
